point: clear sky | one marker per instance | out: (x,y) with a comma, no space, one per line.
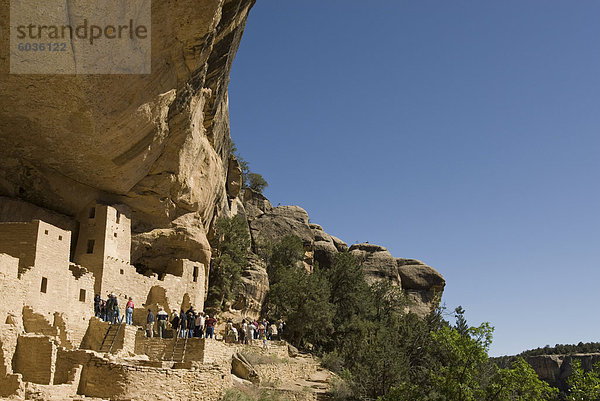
(465,134)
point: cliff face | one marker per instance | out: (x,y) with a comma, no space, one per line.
(159,142)
(555,369)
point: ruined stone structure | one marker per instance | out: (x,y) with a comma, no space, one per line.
(46,305)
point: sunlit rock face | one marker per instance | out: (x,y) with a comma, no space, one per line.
(159,142)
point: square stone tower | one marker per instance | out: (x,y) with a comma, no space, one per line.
(104,231)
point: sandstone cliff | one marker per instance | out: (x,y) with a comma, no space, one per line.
(159,143)
(555,369)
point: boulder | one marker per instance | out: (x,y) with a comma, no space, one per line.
(377,262)
(416,275)
(324,246)
(340,245)
(243,369)
(281,221)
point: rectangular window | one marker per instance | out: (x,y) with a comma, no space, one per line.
(118,217)
(115,235)
(82,295)
(122,272)
(195,274)
(44,286)
(60,237)
(92,213)
(90,246)
(46,232)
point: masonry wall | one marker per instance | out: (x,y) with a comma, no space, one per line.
(110,230)
(153,291)
(19,240)
(11,291)
(161,349)
(60,304)
(47,286)
(35,358)
(124,341)
(121,382)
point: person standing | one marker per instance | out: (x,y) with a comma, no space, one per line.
(103,310)
(162,318)
(150,323)
(175,321)
(262,334)
(250,333)
(109,308)
(182,324)
(97,305)
(199,325)
(129,312)
(272,331)
(116,312)
(191,322)
(209,323)
(242,332)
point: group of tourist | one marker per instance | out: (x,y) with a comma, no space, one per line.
(189,324)
(193,324)
(250,330)
(108,310)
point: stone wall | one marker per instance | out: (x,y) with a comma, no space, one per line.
(153,291)
(124,341)
(104,379)
(19,240)
(11,290)
(35,358)
(197,349)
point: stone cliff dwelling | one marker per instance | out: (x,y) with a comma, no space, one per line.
(49,340)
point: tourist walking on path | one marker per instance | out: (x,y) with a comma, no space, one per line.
(129,312)
(272,331)
(209,323)
(150,323)
(262,334)
(250,333)
(162,318)
(182,324)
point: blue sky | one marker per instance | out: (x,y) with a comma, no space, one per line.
(464,134)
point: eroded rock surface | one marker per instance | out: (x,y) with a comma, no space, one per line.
(158,143)
(378,263)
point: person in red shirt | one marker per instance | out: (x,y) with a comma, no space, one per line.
(129,312)
(209,323)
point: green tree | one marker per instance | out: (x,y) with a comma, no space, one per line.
(464,362)
(461,323)
(519,383)
(249,179)
(231,243)
(256,182)
(583,386)
(299,298)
